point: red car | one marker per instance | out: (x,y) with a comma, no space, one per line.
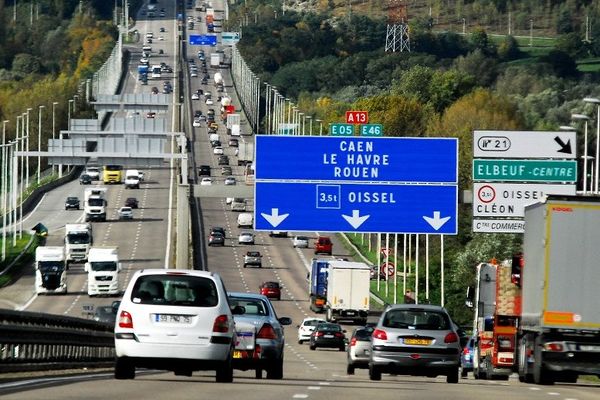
(323,245)
(271,290)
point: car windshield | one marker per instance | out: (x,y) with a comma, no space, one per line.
(175,290)
(78,238)
(416,319)
(251,306)
(103,266)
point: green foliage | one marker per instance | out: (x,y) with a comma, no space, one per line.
(26,64)
(509,49)
(480,41)
(561,63)
(481,68)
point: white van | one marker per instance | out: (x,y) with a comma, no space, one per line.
(213,137)
(132,179)
(245,220)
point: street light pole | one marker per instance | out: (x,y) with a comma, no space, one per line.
(54,104)
(39,168)
(320,121)
(27,144)
(310,118)
(596,169)
(584,118)
(3,188)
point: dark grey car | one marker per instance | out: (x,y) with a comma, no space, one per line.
(269,333)
(417,340)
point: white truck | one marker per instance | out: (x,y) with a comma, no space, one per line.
(50,270)
(132,179)
(215,60)
(245,153)
(559,331)
(103,268)
(348,291)
(218,78)
(95,204)
(78,240)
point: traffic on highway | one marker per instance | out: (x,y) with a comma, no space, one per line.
(258,303)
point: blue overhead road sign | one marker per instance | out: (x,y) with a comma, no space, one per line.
(357,159)
(356,207)
(203,40)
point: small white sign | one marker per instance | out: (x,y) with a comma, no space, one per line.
(508,200)
(524,144)
(498,225)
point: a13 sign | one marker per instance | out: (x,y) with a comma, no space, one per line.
(357,117)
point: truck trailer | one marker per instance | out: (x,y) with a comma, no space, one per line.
(348,291)
(559,332)
(318,284)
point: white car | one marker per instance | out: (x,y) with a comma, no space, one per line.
(194,74)
(206,181)
(246,238)
(218,150)
(161,38)
(195,96)
(228,200)
(144,61)
(230,181)
(306,328)
(149,35)
(125,213)
(180,322)
(196,123)
(209,102)
(300,241)
(141,175)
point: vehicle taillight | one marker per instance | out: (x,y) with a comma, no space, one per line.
(466,350)
(339,334)
(266,332)
(125,320)
(318,333)
(554,346)
(353,342)
(380,334)
(451,338)
(221,324)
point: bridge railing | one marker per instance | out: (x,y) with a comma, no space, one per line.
(32,341)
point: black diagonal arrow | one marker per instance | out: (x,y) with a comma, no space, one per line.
(564,147)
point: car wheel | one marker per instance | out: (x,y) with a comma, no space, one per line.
(258,373)
(300,342)
(452,376)
(374,373)
(183,372)
(463,373)
(124,369)
(279,298)
(245,265)
(350,369)
(342,348)
(225,372)
(276,370)
(313,347)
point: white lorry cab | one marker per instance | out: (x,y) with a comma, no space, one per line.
(95,204)
(50,270)
(245,220)
(78,240)
(132,179)
(103,268)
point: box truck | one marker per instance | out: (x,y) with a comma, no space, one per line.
(348,291)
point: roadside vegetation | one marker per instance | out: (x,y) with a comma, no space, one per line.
(327,60)
(12,253)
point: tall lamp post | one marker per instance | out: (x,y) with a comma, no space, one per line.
(310,118)
(596,101)
(320,121)
(585,118)
(39,161)
(27,144)
(54,104)
(4,187)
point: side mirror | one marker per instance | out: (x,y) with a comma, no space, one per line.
(119,267)
(86,267)
(285,321)
(470,296)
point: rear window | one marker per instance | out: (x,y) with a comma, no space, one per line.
(416,319)
(363,334)
(329,327)
(175,290)
(271,285)
(251,306)
(312,322)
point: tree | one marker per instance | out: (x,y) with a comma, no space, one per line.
(509,49)
(25,64)
(479,40)
(562,63)
(480,109)
(481,67)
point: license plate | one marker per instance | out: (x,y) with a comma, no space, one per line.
(237,354)
(418,342)
(328,336)
(350,313)
(589,347)
(173,319)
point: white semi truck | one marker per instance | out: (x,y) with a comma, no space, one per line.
(78,240)
(95,204)
(50,270)
(348,291)
(103,268)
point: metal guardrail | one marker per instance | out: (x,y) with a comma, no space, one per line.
(34,341)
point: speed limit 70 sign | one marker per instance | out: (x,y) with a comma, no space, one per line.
(357,117)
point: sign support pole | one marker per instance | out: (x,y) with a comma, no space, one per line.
(417,268)
(427,267)
(404,265)
(387,259)
(442,268)
(378,252)
(395,268)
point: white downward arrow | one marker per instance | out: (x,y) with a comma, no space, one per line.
(436,222)
(274,218)
(355,220)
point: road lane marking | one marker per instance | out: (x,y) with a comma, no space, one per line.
(300,396)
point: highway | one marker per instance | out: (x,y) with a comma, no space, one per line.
(315,375)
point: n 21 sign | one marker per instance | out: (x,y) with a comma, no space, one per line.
(357,117)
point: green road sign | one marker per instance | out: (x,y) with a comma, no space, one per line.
(341,129)
(525,170)
(371,130)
